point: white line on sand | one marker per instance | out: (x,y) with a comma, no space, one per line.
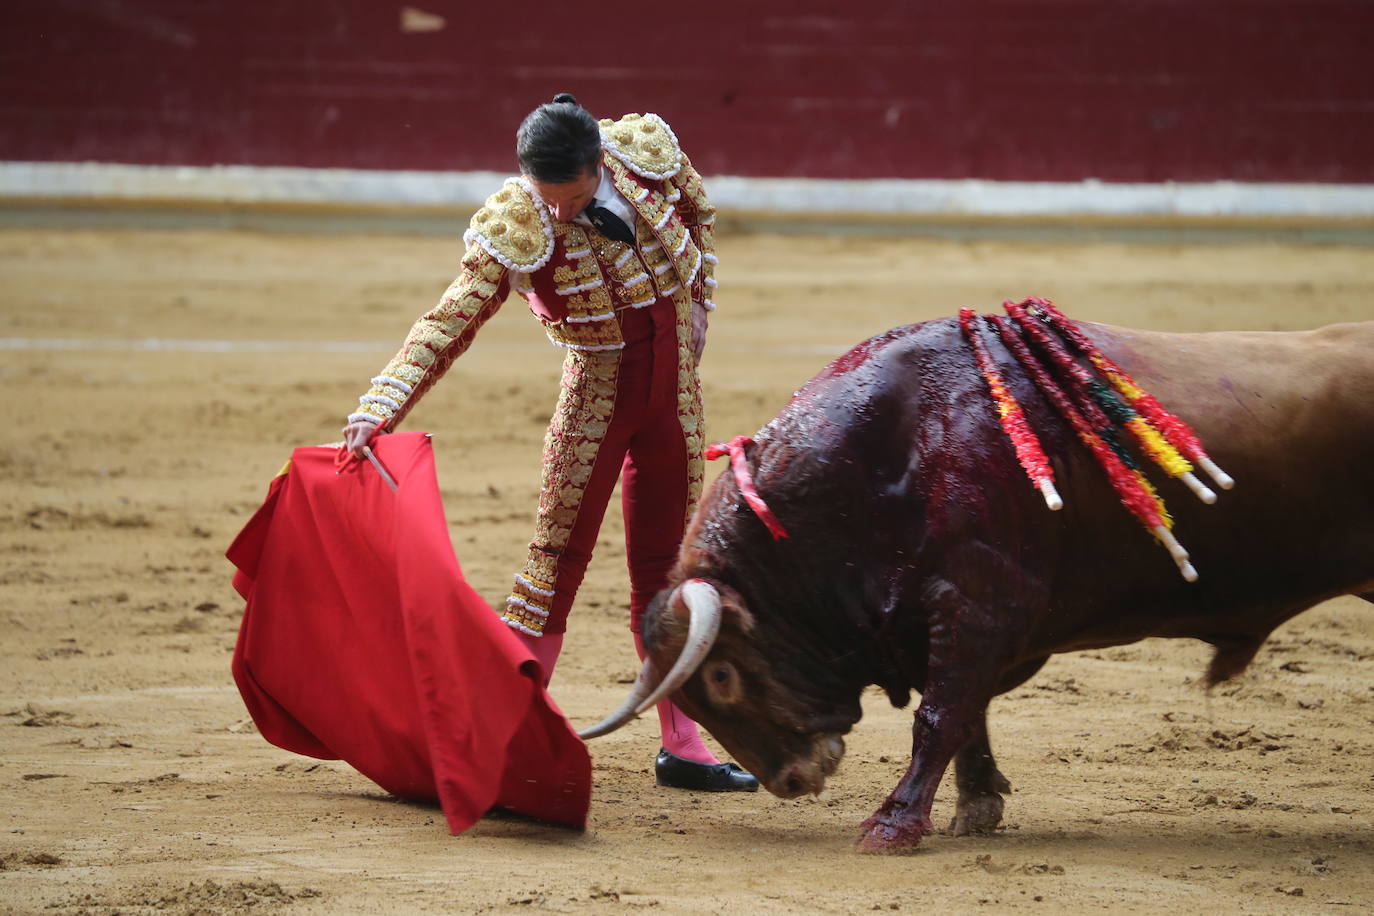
(171,345)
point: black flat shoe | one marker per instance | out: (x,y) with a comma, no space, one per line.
(672,771)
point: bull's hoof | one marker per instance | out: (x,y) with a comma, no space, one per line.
(888,838)
(976,815)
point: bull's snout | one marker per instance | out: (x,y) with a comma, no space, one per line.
(806,775)
(799,780)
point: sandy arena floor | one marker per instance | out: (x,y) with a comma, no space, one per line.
(160,378)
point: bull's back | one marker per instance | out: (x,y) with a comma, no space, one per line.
(1289,415)
(1246,389)
(905,422)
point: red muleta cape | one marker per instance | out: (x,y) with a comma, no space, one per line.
(362,642)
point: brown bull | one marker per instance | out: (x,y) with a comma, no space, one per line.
(920,557)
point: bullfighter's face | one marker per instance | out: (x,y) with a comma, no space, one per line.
(567,199)
(740,695)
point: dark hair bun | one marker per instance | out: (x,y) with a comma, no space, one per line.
(565,98)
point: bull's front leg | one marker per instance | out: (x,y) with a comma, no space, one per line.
(966,650)
(940,730)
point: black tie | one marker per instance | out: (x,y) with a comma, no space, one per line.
(608,224)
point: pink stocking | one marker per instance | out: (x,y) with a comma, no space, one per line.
(545,649)
(680,734)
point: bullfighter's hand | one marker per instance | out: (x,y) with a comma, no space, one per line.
(358,434)
(699,322)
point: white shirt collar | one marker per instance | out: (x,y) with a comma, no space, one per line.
(608,196)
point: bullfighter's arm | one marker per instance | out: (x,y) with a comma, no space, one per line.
(439,337)
(509,233)
(699,216)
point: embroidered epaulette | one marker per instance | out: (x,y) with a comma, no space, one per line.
(645,143)
(513,226)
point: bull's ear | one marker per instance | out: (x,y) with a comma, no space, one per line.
(735,610)
(669,614)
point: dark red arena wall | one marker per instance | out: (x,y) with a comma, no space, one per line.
(1120,90)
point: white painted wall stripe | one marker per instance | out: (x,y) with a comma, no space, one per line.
(238,184)
(1024,198)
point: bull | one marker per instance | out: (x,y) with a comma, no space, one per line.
(919,557)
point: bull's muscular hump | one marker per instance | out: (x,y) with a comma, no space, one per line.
(920,557)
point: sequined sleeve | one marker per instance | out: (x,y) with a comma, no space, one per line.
(438,338)
(700,217)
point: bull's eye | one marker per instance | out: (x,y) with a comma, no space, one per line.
(722,683)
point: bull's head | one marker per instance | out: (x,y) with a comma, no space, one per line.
(700,633)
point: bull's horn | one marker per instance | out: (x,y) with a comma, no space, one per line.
(644,684)
(703,604)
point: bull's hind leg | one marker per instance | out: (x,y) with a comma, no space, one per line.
(981,787)
(981,784)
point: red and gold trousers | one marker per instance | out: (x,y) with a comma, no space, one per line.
(635,414)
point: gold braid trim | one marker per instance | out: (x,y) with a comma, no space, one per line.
(438,338)
(624,270)
(699,215)
(645,143)
(586,403)
(663,239)
(514,227)
(690,414)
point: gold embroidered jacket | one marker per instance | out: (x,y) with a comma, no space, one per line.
(573,277)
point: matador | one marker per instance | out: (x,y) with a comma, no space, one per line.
(607,233)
